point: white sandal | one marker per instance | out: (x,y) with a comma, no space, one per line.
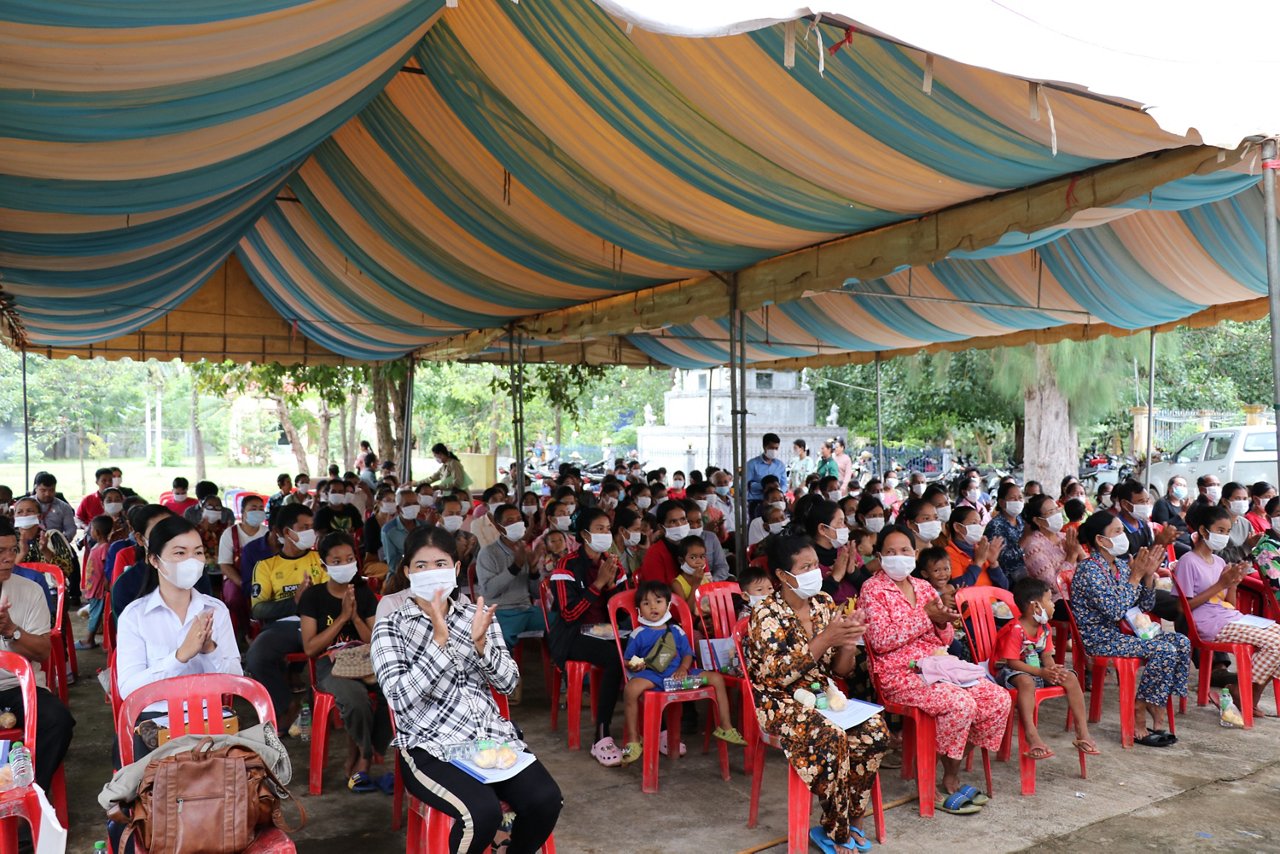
(606,752)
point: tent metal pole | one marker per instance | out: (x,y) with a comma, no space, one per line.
(1151,404)
(711,381)
(737,468)
(880,472)
(516,366)
(742,416)
(406,448)
(26,428)
(1270,163)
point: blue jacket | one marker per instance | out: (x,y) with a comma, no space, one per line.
(757,469)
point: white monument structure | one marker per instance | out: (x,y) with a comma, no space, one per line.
(777,402)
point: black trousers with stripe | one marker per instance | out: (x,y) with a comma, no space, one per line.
(476,808)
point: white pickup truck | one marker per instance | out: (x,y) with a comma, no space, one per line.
(1241,454)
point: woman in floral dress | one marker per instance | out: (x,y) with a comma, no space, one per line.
(907,621)
(797,637)
(1104,587)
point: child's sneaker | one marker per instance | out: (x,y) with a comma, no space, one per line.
(729,734)
(631,752)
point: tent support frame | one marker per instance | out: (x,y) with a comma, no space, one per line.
(515,365)
(1270,163)
(1151,403)
(880,472)
(738,411)
(26,428)
(406,448)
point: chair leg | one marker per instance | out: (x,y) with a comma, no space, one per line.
(397,798)
(651,722)
(757,775)
(573,699)
(799,803)
(1128,700)
(926,751)
(1202,682)
(877,810)
(1244,678)
(553,692)
(1095,694)
(319,742)
(1026,765)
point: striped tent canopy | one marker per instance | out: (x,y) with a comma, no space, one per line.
(359,179)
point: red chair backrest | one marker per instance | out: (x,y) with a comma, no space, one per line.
(719,594)
(626,601)
(25,674)
(192,701)
(740,632)
(974,605)
(60,580)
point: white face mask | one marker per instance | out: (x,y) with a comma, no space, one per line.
(643,502)
(929,531)
(770,453)
(689,570)
(1218,542)
(658,623)
(337,499)
(678,533)
(179,497)
(304,540)
(1041,616)
(702,504)
(452,524)
(1213,493)
(918,488)
(560,523)
(26,521)
(1275,524)
(343,572)
(944,513)
(529,509)
(891,482)
(875,524)
(972,496)
(972,533)
(839,536)
(781,505)
(608,502)
(1105,501)
(897,567)
(1119,544)
(410,511)
(1143,511)
(185,573)
(426,583)
(754,599)
(677,483)
(834,495)
(115,481)
(1054,523)
(386,508)
(515,530)
(633,538)
(1014,508)
(776,527)
(1239,508)
(808,584)
(211,516)
(599,542)
(255,518)
(112,508)
(426,501)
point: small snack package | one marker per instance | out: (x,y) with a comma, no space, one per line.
(1143,626)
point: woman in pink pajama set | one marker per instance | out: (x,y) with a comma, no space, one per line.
(907,621)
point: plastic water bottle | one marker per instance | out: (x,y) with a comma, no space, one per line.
(304,722)
(99,846)
(20,762)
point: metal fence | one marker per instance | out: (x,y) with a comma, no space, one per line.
(1173,426)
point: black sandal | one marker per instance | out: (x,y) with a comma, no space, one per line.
(1156,738)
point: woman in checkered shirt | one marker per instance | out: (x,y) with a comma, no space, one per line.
(438,663)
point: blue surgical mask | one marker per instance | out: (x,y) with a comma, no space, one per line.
(1179,492)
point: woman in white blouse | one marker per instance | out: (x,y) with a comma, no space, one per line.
(170,629)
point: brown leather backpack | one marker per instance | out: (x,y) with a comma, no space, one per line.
(206,801)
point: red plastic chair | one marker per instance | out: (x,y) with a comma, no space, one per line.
(429,829)
(919,745)
(654,704)
(195,708)
(323,706)
(719,598)
(575,672)
(108,624)
(1243,653)
(799,798)
(24,803)
(974,605)
(60,638)
(1126,673)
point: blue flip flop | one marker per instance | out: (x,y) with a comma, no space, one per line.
(857,842)
(957,803)
(387,783)
(975,795)
(858,839)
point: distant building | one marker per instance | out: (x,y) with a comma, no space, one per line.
(777,402)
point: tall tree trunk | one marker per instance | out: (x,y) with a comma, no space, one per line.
(342,434)
(353,444)
(197,440)
(1051,442)
(381,391)
(291,433)
(396,390)
(322,449)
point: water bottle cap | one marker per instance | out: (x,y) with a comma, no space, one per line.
(17,744)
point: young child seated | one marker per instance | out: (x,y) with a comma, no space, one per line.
(94,584)
(934,566)
(691,555)
(756,586)
(1024,658)
(864,543)
(1074,510)
(553,548)
(659,649)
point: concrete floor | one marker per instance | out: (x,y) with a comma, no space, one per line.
(1216,790)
